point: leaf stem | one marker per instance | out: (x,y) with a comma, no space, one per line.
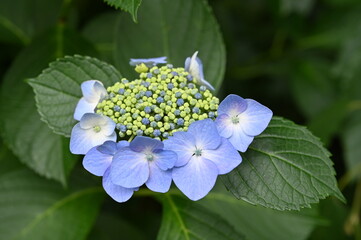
(353,221)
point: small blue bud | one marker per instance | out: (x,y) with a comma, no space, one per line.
(211,114)
(163,77)
(137,96)
(149,75)
(131,86)
(145,121)
(156,71)
(122,111)
(148,93)
(174,73)
(180,121)
(139,132)
(156,132)
(180,102)
(178,94)
(116,108)
(162,93)
(198,95)
(121,91)
(170,86)
(172,126)
(117,126)
(147,109)
(135,115)
(125,81)
(176,112)
(169,65)
(111,95)
(165,134)
(160,100)
(191,85)
(202,88)
(189,78)
(169,103)
(196,110)
(145,84)
(153,124)
(122,128)
(157,117)
(182,85)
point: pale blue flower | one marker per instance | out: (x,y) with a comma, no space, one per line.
(240,120)
(144,161)
(98,160)
(93,91)
(91,131)
(202,155)
(149,62)
(194,66)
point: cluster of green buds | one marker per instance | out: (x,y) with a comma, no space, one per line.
(162,101)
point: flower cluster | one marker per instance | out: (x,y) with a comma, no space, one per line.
(171,126)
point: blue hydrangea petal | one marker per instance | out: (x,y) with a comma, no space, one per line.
(149,62)
(82,140)
(255,119)
(196,178)
(140,144)
(118,193)
(108,147)
(93,90)
(129,169)
(232,105)
(122,144)
(205,134)
(194,66)
(240,140)
(224,125)
(183,144)
(226,157)
(159,180)
(83,107)
(165,159)
(97,162)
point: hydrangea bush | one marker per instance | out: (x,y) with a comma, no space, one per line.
(175,128)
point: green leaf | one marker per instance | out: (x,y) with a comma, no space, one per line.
(103,40)
(57,88)
(285,167)
(290,6)
(351,141)
(321,125)
(183,219)
(249,219)
(130,6)
(35,208)
(20,20)
(313,86)
(175,29)
(21,128)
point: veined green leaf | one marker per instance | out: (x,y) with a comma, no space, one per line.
(130,6)
(34,208)
(285,167)
(28,137)
(183,219)
(175,29)
(57,88)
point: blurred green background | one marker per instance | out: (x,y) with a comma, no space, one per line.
(302,59)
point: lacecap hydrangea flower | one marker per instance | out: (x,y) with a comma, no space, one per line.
(164,126)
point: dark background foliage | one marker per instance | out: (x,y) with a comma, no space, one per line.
(300,58)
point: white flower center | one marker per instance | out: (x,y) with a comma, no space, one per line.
(198,152)
(235,119)
(149,157)
(97,129)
